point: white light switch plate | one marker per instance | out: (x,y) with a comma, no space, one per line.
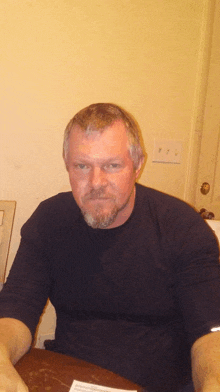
(167,151)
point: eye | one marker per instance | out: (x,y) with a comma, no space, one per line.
(81,166)
(112,167)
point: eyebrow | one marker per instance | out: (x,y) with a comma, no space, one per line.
(104,160)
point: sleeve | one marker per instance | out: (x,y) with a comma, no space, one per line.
(27,288)
(197,275)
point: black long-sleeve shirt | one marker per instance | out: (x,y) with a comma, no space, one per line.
(132,299)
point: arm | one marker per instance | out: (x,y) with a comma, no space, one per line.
(205,356)
(15,340)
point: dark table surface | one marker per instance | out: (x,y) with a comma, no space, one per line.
(44,370)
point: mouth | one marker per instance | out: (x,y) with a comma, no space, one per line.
(98,198)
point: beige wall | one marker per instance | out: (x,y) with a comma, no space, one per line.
(59,56)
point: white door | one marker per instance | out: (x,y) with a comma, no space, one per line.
(209,157)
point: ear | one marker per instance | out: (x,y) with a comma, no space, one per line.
(137,171)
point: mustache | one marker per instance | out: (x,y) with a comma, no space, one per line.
(95,194)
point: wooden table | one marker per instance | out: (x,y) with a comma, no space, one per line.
(44,370)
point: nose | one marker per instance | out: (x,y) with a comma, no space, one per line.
(98,178)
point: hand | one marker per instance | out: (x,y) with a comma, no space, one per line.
(10,381)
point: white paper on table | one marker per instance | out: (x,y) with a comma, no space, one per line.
(78,386)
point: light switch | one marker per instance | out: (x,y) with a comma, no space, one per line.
(167,151)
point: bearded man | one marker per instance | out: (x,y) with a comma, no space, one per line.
(133,273)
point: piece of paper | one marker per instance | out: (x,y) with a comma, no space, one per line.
(78,386)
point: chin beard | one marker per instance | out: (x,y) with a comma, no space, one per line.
(100,220)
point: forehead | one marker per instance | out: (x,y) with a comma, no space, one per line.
(111,141)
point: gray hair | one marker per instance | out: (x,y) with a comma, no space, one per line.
(97,117)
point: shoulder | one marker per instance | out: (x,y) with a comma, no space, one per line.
(53,215)
(168,212)
(178,225)
(60,203)
(162,201)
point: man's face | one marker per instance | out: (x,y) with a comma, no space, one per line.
(102,175)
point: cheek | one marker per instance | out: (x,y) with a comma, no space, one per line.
(78,186)
(124,184)
(75,180)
